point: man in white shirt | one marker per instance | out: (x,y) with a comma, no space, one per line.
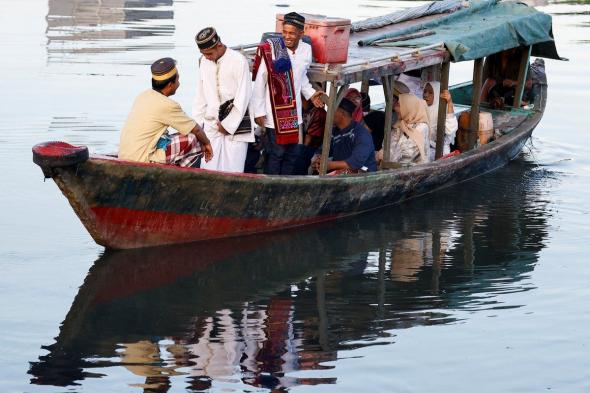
(224,82)
(281,158)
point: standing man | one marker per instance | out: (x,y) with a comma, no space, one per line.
(224,88)
(145,137)
(283,90)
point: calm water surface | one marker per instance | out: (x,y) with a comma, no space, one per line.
(480,287)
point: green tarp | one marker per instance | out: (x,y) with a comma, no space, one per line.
(485,28)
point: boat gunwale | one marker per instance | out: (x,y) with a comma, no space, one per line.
(464,158)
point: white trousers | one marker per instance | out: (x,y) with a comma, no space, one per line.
(228,155)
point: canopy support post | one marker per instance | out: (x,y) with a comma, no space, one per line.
(442,110)
(365,85)
(318,86)
(522,75)
(387,82)
(475,96)
(334,97)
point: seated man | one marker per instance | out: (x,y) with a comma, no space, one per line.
(500,75)
(145,137)
(352,146)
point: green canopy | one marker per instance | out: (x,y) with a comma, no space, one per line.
(485,28)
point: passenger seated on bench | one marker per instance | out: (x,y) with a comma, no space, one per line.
(145,137)
(409,139)
(500,75)
(351,148)
(314,122)
(432,97)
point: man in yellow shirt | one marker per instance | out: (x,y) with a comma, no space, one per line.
(145,136)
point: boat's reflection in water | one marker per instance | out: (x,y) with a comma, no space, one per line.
(254,309)
(77,29)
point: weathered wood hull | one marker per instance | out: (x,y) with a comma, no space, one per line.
(130,205)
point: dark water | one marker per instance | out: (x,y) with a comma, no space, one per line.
(480,287)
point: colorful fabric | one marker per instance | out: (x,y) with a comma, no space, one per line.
(282,94)
(301,60)
(281,61)
(181,150)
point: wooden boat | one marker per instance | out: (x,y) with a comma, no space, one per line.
(129,205)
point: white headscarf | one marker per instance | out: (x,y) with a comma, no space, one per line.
(433,109)
(412,111)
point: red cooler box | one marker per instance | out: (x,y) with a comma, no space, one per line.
(329,37)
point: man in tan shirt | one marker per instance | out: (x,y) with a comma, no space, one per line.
(145,137)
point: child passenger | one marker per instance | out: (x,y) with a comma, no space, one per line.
(410,141)
(432,97)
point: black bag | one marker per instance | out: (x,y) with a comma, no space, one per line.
(225,109)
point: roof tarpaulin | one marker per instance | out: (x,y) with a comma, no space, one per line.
(433,8)
(485,28)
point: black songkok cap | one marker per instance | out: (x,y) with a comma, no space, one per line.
(163,69)
(347,106)
(207,38)
(293,18)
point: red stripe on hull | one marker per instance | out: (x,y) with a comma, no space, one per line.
(123,228)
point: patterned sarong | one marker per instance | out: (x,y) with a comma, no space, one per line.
(282,90)
(181,150)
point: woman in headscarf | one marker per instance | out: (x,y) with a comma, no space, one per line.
(355,96)
(410,141)
(432,97)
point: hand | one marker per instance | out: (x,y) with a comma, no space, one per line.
(318,99)
(208,150)
(315,162)
(221,129)
(260,121)
(445,95)
(379,156)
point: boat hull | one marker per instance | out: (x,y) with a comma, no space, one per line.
(130,205)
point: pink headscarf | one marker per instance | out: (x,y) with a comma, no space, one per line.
(355,96)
